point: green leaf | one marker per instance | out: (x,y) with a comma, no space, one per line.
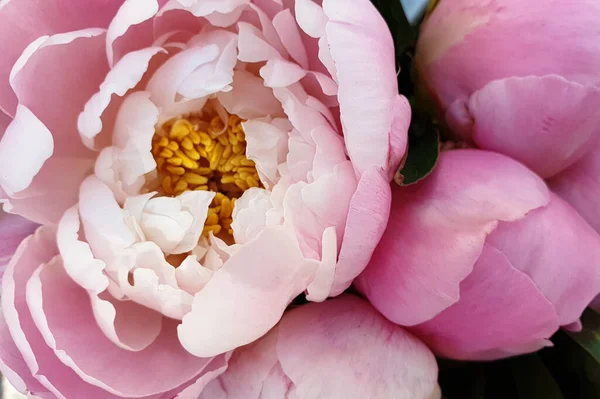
(589,337)
(423,151)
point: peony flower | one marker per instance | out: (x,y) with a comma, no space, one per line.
(197,165)
(519,78)
(372,359)
(481,261)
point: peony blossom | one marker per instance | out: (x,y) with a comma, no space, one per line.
(517,77)
(306,357)
(196,164)
(481,260)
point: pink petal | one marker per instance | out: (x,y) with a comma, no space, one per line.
(398,136)
(253,46)
(454,40)
(250,98)
(281,73)
(5,120)
(55,97)
(13,229)
(547,122)
(54,299)
(264,275)
(129,31)
(167,80)
(45,18)
(437,230)
(559,251)
(287,29)
(125,75)
(367,218)
(365,355)
(250,214)
(320,288)
(311,18)
(486,323)
(24,130)
(580,186)
(43,364)
(363,52)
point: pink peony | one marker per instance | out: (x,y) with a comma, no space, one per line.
(481,260)
(306,357)
(197,164)
(517,77)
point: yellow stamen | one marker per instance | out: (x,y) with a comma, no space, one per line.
(190,159)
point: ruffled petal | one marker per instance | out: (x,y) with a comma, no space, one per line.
(486,323)
(347,337)
(265,275)
(580,186)
(365,224)
(289,34)
(362,49)
(13,229)
(546,122)
(437,230)
(45,18)
(54,299)
(250,98)
(559,251)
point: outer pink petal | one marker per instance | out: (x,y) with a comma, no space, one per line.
(23,21)
(261,278)
(490,322)
(559,251)
(4,122)
(547,122)
(13,229)
(453,48)
(43,364)
(365,356)
(363,52)
(437,230)
(580,186)
(367,218)
(56,301)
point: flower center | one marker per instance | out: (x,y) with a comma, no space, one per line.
(205,154)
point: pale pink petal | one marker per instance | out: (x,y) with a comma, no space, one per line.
(207,7)
(167,80)
(556,127)
(42,18)
(124,76)
(281,73)
(58,179)
(250,214)
(320,288)
(14,368)
(580,186)
(113,318)
(24,130)
(174,16)
(300,157)
(398,134)
(128,31)
(253,46)
(367,218)
(437,230)
(250,98)
(216,75)
(329,151)
(132,139)
(303,115)
(559,251)
(269,32)
(13,229)
(363,52)
(326,58)
(487,323)
(54,300)
(265,275)
(191,276)
(106,230)
(4,122)
(43,364)
(365,355)
(213,370)
(311,18)
(55,77)
(287,29)
(267,146)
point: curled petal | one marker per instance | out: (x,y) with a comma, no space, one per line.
(437,230)
(488,324)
